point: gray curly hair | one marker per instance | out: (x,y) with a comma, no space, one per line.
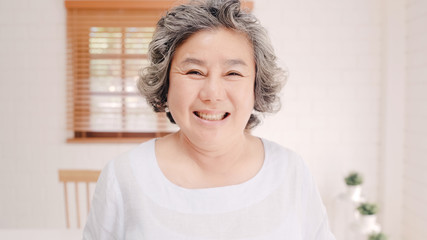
(182,22)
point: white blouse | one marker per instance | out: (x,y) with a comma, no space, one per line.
(134,200)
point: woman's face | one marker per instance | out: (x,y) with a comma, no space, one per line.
(211,91)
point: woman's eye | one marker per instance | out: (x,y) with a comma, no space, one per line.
(234,74)
(193,72)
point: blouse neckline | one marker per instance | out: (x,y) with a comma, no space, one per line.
(161,191)
(232,187)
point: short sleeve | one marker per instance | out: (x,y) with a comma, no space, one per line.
(315,218)
(323,231)
(105,220)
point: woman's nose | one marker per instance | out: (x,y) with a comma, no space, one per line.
(212,90)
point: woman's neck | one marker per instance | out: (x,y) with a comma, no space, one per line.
(215,158)
(193,165)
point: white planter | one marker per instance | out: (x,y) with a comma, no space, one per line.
(355,193)
(368,224)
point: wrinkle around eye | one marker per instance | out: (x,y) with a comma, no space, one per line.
(194,72)
(234,74)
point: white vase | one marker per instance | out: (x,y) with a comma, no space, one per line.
(355,193)
(368,224)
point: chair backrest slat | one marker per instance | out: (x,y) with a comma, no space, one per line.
(77,203)
(76,177)
(87,197)
(67,215)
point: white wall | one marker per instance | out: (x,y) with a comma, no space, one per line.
(330,111)
(331,106)
(415,164)
(32,108)
(392,117)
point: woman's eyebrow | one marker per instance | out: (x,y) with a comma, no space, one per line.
(232,62)
(229,62)
(193,61)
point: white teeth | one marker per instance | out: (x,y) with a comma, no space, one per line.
(211,117)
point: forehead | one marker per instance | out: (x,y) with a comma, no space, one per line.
(231,46)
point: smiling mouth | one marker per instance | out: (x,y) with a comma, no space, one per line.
(211,117)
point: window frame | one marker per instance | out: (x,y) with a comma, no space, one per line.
(78,87)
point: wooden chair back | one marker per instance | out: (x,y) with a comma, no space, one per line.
(76,177)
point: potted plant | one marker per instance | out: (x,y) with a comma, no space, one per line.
(353,179)
(368,216)
(354,190)
(377,236)
(367,209)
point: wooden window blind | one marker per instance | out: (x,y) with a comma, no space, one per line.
(107,46)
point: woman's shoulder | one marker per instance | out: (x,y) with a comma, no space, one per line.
(131,160)
(289,165)
(284,162)
(142,151)
(276,152)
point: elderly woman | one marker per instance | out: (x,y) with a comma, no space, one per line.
(212,71)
